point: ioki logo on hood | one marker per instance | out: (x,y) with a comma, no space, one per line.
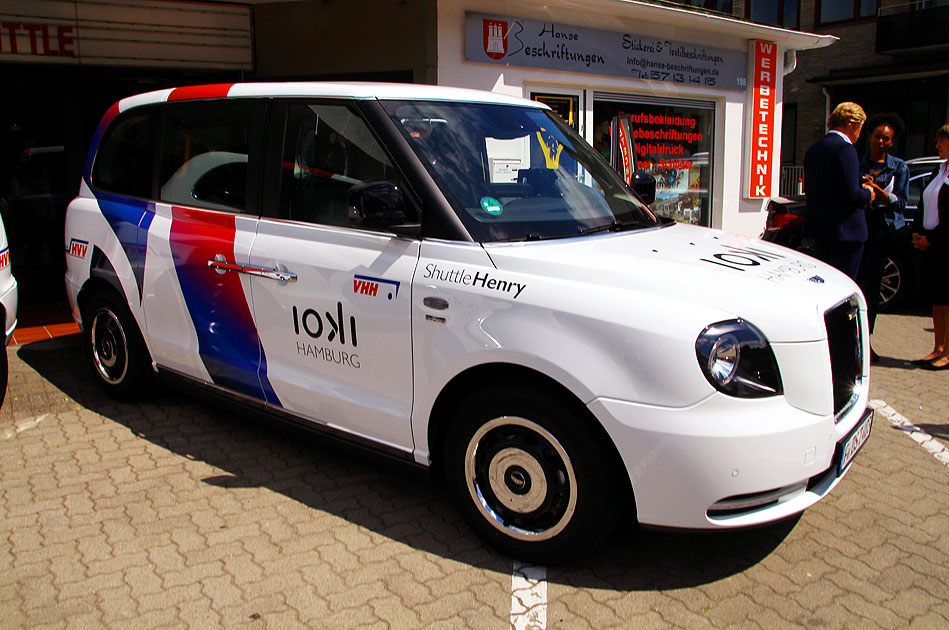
(766,265)
(741,258)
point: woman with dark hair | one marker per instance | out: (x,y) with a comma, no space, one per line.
(890,176)
(931,234)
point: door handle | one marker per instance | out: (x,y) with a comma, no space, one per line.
(220,264)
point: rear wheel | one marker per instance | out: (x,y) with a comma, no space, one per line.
(117,352)
(529,475)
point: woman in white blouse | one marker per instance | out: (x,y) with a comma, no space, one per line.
(931,235)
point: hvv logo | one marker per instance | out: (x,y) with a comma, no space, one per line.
(365,285)
(77,248)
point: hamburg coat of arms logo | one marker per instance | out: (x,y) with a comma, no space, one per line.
(495,38)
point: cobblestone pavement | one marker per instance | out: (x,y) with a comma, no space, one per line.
(175,513)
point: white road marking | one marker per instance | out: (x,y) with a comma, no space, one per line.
(528,597)
(22,426)
(919,436)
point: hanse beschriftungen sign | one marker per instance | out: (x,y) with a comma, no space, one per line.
(552,46)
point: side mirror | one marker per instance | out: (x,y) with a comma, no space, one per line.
(644,185)
(375,204)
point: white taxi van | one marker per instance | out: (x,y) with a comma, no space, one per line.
(456,279)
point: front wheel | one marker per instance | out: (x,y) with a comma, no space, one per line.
(117,353)
(529,474)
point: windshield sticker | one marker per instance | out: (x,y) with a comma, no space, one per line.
(551,148)
(478,279)
(491,205)
(367,285)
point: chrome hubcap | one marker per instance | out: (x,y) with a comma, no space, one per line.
(890,283)
(521,478)
(109,348)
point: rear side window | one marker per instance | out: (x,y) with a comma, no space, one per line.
(124,161)
(205,151)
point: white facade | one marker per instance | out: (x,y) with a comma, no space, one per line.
(730,209)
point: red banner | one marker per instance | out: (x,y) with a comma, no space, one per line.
(763,83)
(625,152)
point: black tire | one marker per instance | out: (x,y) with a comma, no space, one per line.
(117,353)
(530,475)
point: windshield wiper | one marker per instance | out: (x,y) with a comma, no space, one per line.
(530,236)
(613,226)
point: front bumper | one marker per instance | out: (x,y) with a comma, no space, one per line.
(726,463)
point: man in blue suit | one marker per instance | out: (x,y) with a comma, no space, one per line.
(835,196)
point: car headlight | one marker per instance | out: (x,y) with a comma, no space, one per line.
(737,360)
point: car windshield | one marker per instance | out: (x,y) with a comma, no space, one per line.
(517,173)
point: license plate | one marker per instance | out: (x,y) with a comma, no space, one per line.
(855,440)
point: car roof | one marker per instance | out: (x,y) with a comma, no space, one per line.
(319,89)
(931,159)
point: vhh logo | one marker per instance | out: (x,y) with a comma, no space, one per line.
(366,285)
(5,258)
(78,248)
(495,38)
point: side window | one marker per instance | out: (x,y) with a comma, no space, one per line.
(916,186)
(327,150)
(124,161)
(205,148)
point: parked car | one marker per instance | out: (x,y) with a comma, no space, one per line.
(8,307)
(920,172)
(901,271)
(542,340)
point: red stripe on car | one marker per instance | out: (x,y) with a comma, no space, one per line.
(215,90)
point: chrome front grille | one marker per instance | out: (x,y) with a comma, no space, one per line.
(846,353)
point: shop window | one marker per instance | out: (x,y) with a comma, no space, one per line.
(328,149)
(829,11)
(671,139)
(567,106)
(774,12)
(205,150)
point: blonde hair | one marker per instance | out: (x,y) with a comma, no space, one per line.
(844,114)
(942,132)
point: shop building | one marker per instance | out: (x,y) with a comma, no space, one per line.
(694,97)
(679,80)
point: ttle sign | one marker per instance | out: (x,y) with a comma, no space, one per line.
(42,40)
(760,154)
